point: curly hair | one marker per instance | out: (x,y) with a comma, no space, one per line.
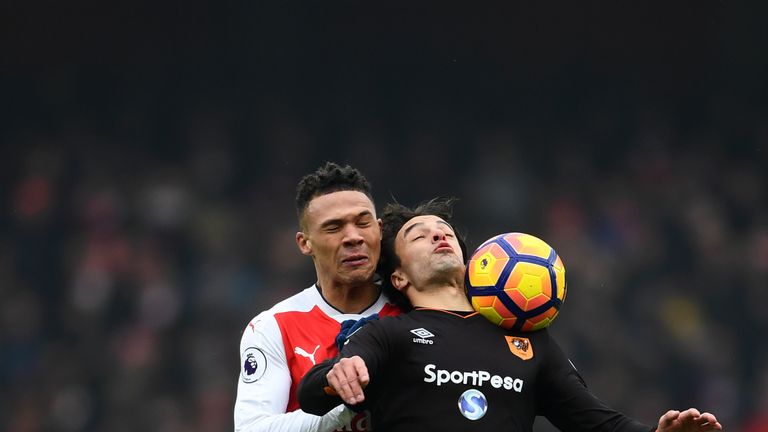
(327,179)
(393,217)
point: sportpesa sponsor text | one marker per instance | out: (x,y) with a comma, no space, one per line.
(474,378)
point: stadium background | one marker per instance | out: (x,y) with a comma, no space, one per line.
(150,154)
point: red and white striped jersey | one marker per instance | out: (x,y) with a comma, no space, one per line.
(277,348)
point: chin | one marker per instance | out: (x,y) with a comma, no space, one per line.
(448,264)
(359,276)
(448,270)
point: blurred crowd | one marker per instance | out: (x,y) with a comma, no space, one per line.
(129,269)
(149,155)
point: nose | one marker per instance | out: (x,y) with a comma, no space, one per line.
(438,234)
(352,236)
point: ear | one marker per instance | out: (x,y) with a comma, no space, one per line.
(304,244)
(381,233)
(399,280)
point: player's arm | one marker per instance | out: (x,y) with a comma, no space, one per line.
(264,386)
(344,378)
(571,406)
(332,382)
(564,399)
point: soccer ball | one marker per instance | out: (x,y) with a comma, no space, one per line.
(517,281)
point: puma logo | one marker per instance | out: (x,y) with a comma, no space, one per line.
(300,351)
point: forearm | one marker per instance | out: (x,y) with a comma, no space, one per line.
(299,421)
(264,387)
(313,393)
(598,417)
(569,405)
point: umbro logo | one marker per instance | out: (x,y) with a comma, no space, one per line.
(423,336)
(422,332)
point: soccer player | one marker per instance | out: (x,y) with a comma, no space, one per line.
(444,367)
(340,231)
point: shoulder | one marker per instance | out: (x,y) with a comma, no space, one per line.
(385,325)
(302,301)
(397,320)
(539,341)
(391,324)
(265,323)
(538,337)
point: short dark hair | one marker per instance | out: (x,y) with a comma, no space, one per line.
(393,217)
(327,179)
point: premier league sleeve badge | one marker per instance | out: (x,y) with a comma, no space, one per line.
(253,365)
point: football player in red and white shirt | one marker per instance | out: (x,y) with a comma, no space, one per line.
(340,231)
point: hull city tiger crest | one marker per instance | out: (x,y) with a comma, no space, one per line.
(520,347)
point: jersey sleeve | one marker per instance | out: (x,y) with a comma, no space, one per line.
(372,344)
(369,342)
(565,401)
(264,386)
(312,394)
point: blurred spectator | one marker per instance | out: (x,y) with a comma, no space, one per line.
(147,188)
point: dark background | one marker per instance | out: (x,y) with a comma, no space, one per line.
(150,154)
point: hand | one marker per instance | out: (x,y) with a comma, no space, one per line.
(348,327)
(689,420)
(348,378)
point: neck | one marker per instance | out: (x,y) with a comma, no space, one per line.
(349,298)
(446,297)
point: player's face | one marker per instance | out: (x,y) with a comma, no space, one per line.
(343,236)
(429,250)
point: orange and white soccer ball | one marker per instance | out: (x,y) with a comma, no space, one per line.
(517,281)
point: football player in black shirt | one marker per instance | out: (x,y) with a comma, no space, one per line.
(445,367)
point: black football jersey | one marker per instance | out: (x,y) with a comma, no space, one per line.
(446,371)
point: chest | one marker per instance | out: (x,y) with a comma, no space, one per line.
(467,356)
(465,376)
(308,343)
